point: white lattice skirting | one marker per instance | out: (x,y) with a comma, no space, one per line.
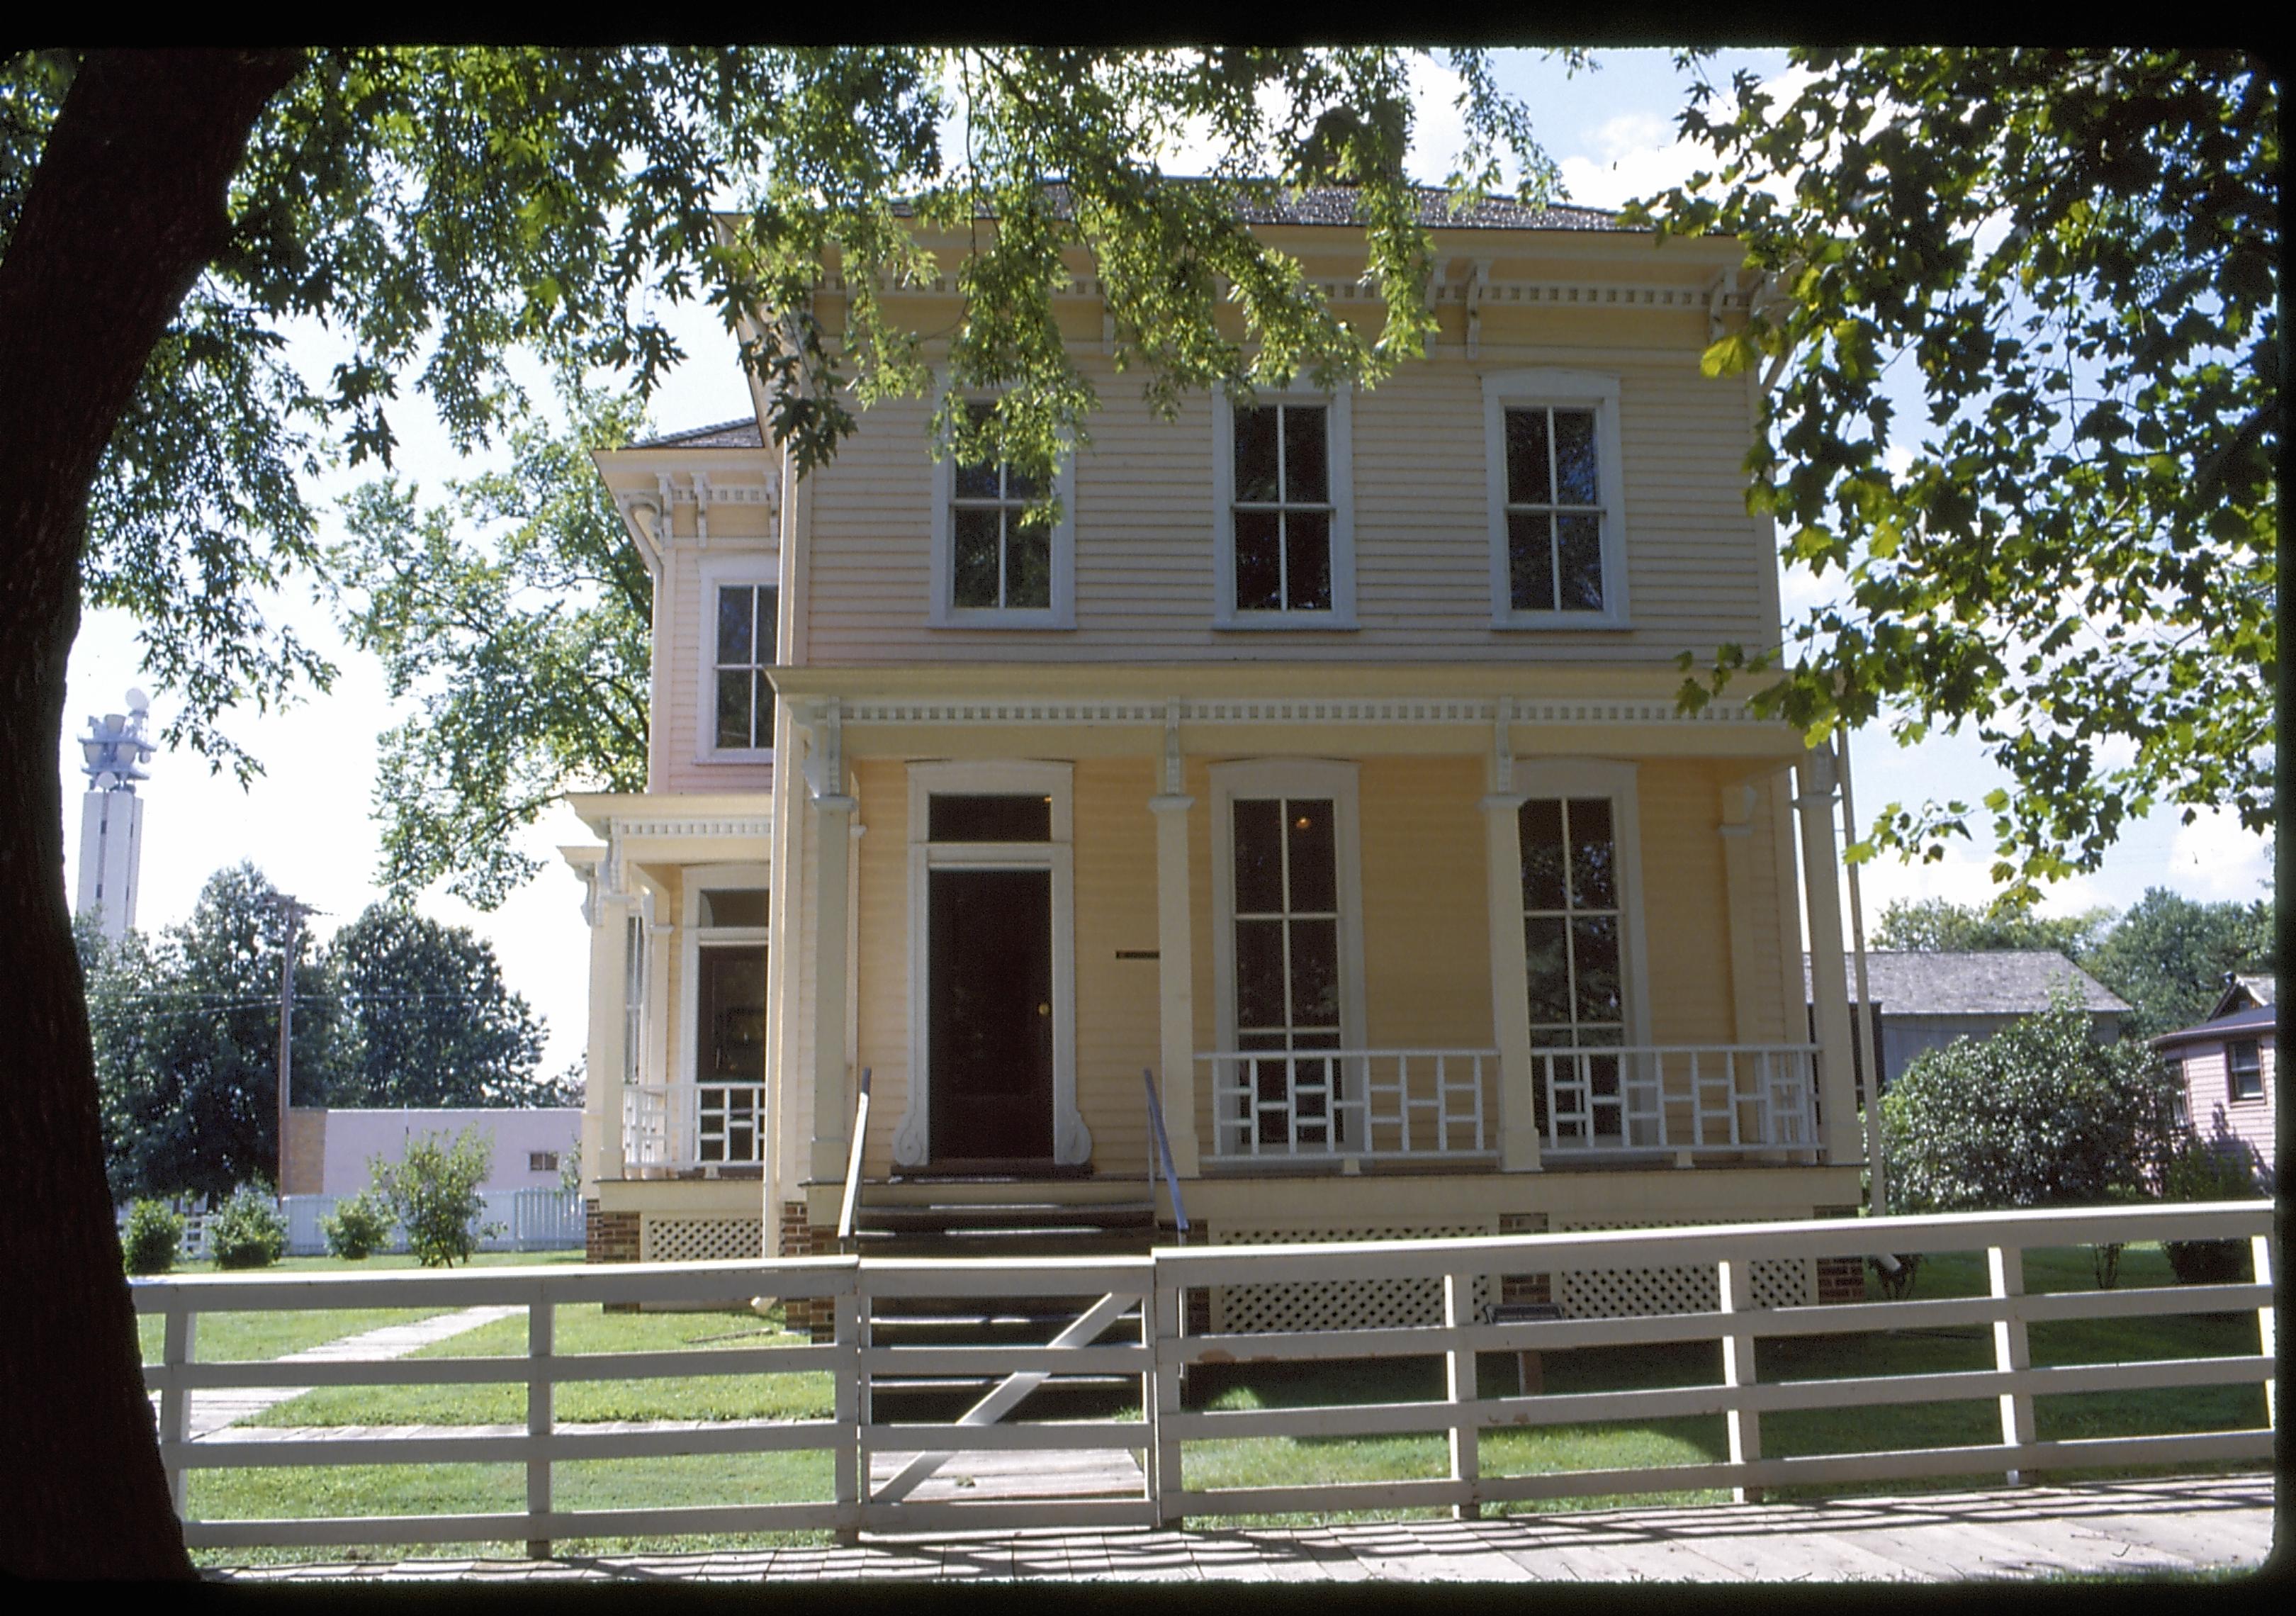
(700,1239)
(1343,1305)
(1635,1293)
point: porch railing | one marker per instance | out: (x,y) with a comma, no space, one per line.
(1142,1300)
(1680,1098)
(676,1125)
(1330,1105)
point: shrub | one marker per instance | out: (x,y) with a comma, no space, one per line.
(2039,1115)
(247,1231)
(433,1191)
(359,1227)
(2209,1170)
(153,1236)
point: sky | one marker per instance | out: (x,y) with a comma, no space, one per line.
(307,822)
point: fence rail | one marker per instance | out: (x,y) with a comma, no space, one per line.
(1142,1300)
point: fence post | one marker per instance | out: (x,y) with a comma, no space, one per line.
(1459,1389)
(178,1346)
(852,1453)
(1736,1277)
(1164,1476)
(2266,1330)
(541,1409)
(2012,1353)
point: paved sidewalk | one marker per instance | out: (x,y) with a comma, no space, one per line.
(214,1410)
(2174,1524)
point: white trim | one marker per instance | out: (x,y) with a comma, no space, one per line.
(736,569)
(1340,450)
(913,1134)
(942,611)
(1287,777)
(1563,388)
(1547,777)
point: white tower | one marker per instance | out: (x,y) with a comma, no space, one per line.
(111,816)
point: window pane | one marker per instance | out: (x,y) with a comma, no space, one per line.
(1315,884)
(987,816)
(1019,488)
(735,610)
(1582,561)
(769,622)
(1308,559)
(1306,478)
(1260,973)
(1259,566)
(1540,825)
(1528,482)
(1255,455)
(976,479)
(734,687)
(974,571)
(1594,878)
(732,1010)
(1028,564)
(736,906)
(1575,470)
(1550,971)
(1530,560)
(1315,973)
(1258,856)
(1595,952)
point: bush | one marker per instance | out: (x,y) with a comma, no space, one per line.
(153,1236)
(2039,1115)
(2209,1170)
(247,1231)
(433,1191)
(359,1227)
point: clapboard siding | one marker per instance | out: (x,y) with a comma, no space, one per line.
(1685,911)
(1696,566)
(677,761)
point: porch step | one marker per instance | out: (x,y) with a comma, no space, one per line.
(1003,1218)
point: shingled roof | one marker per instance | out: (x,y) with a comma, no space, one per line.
(2259,1021)
(2015,981)
(739,434)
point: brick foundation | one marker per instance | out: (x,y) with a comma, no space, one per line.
(798,1237)
(609,1236)
(1841,1279)
(1522,1289)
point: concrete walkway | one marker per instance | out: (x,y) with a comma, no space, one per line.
(214,1410)
(2174,1525)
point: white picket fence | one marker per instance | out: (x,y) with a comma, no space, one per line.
(1144,1297)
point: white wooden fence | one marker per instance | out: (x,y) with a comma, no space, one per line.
(1117,1291)
(538,1219)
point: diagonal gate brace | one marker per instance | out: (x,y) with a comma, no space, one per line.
(1007,1394)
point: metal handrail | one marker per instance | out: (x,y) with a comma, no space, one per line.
(853,1164)
(1163,1154)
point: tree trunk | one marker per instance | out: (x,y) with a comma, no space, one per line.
(126,207)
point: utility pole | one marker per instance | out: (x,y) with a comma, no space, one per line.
(292,913)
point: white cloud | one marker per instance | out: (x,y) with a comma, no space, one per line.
(2214,860)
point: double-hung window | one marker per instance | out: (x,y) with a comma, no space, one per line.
(998,560)
(2244,1070)
(1557,521)
(745,623)
(1284,512)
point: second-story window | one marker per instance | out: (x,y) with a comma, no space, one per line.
(1558,522)
(1002,551)
(1283,509)
(999,562)
(747,620)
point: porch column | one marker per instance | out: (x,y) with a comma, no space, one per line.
(1510,984)
(1176,980)
(607,1058)
(832,1106)
(1829,993)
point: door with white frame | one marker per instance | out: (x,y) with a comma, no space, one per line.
(726,907)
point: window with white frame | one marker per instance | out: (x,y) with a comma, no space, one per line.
(998,561)
(2244,1070)
(1284,511)
(745,625)
(1557,521)
(726,908)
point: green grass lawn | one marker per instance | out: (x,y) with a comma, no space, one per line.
(1259,1462)
(258,1336)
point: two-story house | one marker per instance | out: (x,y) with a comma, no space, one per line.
(1323,762)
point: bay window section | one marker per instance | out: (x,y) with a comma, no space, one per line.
(747,622)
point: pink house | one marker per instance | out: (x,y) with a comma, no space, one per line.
(2228,1068)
